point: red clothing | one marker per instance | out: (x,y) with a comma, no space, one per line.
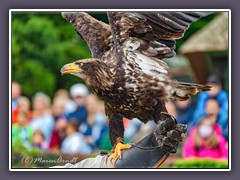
(15,113)
(55,141)
(221,151)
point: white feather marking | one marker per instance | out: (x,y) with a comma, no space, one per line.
(148,64)
(130,85)
(132,45)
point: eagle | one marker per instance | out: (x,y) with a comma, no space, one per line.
(127,70)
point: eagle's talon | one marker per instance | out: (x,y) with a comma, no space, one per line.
(118,150)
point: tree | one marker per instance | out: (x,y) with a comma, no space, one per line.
(41,44)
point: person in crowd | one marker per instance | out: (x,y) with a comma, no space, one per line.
(21,131)
(216,93)
(185,113)
(16,93)
(96,119)
(206,141)
(42,117)
(39,140)
(79,92)
(23,106)
(69,105)
(213,109)
(74,141)
(58,133)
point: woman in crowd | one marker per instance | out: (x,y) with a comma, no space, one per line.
(42,118)
(58,133)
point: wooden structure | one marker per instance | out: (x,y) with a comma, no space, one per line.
(212,38)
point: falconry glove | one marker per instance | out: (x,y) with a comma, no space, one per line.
(154,149)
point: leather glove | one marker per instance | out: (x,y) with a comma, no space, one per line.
(154,149)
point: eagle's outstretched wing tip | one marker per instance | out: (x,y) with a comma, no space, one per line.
(64,14)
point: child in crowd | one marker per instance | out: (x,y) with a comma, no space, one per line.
(213,109)
(74,141)
(21,131)
(206,141)
(39,140)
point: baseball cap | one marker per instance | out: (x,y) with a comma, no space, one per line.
(213,79)
(78,90)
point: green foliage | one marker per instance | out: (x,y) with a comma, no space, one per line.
(200,163)
(41,45)
(23,157)
(20,152)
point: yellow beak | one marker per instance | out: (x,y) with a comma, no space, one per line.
(69,68)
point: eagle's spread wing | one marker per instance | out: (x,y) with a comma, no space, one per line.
(129,57)
(145,38)
(97,34)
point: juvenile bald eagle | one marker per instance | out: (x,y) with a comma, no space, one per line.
(126,70)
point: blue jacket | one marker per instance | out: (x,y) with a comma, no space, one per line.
(200,111)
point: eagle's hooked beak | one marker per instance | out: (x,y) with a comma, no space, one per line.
(69,68)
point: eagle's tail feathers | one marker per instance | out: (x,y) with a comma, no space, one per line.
(184,90)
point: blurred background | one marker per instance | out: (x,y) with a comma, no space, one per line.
(55,115)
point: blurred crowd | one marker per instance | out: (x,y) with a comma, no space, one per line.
(75,122)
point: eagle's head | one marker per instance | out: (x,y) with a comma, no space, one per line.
(79,68)
(94,72)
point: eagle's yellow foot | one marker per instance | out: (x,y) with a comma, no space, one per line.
(118,150)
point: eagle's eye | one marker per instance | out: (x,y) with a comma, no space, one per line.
(79,63)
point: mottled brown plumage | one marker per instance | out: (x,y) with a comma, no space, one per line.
(126,70)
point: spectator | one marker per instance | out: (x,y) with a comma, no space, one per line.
(21,131)
(74,142)
(213,108)
(60,123)
(216,93)
(205,141)
(97,119)
(23,106)
(69,105)
(39,140)
(185,113)
(16,93)
(79,93)
(42,118)
(92,105)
